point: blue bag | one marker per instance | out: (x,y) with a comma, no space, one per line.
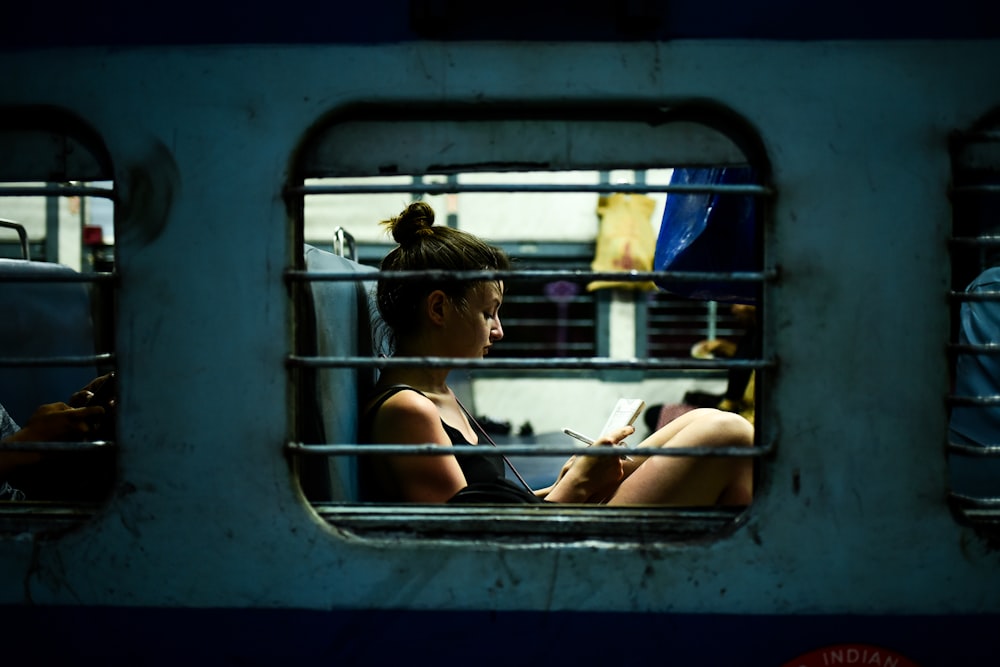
(710,232)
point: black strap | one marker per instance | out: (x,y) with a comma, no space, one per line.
(490,440)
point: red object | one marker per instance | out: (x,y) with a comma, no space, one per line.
(851,654)
(93,235)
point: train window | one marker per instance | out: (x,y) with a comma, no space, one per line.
(538,184)
(57,285)
(974,396)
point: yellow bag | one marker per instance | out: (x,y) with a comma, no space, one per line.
(625,239)
(746,406)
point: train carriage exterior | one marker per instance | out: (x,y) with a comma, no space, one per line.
(210,133)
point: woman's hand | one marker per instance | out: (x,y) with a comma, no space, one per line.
(591,478)
(58,422)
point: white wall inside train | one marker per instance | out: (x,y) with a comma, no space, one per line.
(73,213)
(582,404)
(494,216)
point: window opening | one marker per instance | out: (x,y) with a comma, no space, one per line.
(974,395)
(553,318)
(58,285)
(674,325)
(354,172)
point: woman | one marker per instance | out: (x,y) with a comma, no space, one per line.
(430,317)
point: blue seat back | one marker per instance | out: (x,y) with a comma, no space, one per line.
(342,325)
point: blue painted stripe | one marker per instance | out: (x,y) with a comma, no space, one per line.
(155,636)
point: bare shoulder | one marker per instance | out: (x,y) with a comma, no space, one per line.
(409,417)
(409,403)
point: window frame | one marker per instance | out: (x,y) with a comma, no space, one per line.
(337,147)
(974,192)
(59,155)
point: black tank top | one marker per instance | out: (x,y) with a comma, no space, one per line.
(476,468)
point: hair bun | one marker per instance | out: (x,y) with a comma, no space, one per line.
(415,221)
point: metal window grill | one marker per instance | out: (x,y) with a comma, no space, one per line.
(973,399)
(674,325)
(82,309)
(532,309)
(343,153)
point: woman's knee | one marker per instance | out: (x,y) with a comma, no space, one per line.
(704,427)
(728,428)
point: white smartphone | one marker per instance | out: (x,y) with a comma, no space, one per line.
(626,411)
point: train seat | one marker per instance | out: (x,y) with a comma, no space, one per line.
(42,320)
(341,315)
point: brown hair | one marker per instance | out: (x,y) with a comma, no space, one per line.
(423,246)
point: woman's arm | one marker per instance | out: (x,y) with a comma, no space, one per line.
(409,418)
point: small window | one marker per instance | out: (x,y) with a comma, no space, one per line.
(57,283)
(674,325)
(533,184)
(974,394)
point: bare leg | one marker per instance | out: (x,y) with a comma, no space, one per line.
(701,480)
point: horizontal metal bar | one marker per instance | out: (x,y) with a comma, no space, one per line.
(586,323)
(976,502)
(530,363)
(47,362)
(700,329)
(46,517)
(522,450)
(524,299)
(53,277)
(753,190)
(979,189)
(549,347)
(295,275)
(976,451)
(985,241)
(56,191)
(986,349)
(545,522)
(583,511)
(974,296)
(74,446)
(974,401)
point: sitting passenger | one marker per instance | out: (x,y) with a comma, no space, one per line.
(430,317)
(977,375)
(35,475)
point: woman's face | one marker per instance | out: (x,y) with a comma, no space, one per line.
(477,325)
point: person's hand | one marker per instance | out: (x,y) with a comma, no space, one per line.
(588,478)
(58,422)
(83,397)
